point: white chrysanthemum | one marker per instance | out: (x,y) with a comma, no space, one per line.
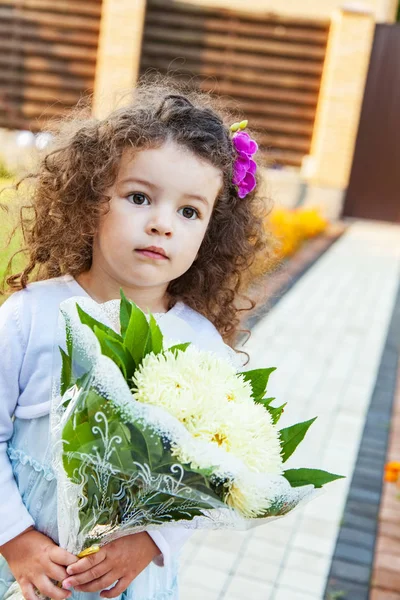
(245,431)
(182,384)
(215,404)
(250,499)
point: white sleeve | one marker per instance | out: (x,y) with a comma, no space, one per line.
(169,541)
(14,517)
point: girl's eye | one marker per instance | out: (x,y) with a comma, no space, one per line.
(189,213)
(138,199)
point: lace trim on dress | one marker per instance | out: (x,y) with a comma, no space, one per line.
(25,459)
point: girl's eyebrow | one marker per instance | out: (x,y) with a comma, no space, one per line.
(139,181)
(154,186)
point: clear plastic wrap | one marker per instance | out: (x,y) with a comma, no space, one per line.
(112,455)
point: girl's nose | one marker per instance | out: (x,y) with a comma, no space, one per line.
(159,226)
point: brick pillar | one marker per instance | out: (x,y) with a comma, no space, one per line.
(386,11)
(340,99)
(118,54)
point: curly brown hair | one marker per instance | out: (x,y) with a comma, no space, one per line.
(69,196)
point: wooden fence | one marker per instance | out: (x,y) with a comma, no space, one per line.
(47,58)
(269,68)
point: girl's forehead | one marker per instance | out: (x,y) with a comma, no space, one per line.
(167,164)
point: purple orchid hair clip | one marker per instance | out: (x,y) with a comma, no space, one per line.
(244,167)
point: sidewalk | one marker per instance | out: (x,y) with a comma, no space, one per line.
(326,337)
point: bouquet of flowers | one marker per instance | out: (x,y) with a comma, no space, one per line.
(148,435)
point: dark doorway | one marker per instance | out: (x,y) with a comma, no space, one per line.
(374,187)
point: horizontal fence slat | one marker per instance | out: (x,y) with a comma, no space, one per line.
(51,34)
(245,16)
(277,125)
(40,64)
(86,8)
(271,109)
(38,93)
(277,79)
(231,58)
(69,20)
(227,41)
(39,48)
(254,30)
(46,80)
(254,92)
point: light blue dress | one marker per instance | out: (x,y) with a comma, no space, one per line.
(29,451)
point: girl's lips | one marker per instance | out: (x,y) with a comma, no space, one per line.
(152,254)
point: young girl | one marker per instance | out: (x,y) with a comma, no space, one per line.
(155,199)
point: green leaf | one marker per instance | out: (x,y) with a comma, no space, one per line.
(315,477)
(137,335)
(265,402)
(66,372)
(179,348)
(92,323)
(276,412)
(292,436)
(258,379)
(68,338)
(156,336)
(124,313)
(118,353)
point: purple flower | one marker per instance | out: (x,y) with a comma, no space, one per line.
(244,144)
(247,185)
(240,168)
(244,167)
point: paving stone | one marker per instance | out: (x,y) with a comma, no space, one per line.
(379,594)
(286,593)
(388,545)
(390,530)
(362,495)
(354,554)
(371,483)
(346,590)
(360,522)
(390,561)
(241,588)
(346,570)
(362,539)
(388,579)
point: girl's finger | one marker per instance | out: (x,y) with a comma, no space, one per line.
(54,571)
(85,564)
(97,584)
(117,589)
(62,557)
(28,592)
(50,590)
(72,581)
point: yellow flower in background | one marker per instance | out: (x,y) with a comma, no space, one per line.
(392,472)
(289,228)
(293,226)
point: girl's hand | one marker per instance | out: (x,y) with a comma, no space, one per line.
(36,563)
(119,561)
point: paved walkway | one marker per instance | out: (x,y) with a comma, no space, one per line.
(326,338)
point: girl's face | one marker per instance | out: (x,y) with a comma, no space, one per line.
(160,207)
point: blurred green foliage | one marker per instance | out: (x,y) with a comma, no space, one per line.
(8,221)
